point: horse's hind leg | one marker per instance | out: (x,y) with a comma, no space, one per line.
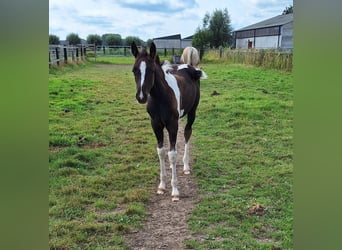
(172,129)
(187,135)
(158,131)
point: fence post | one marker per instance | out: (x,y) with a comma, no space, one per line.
(85,52)
(65,55)
(124,51)
(165,52)
(57,55)
(49,59)
(201,53)
(72,54)
(95,51)
(104,50)
(77,54)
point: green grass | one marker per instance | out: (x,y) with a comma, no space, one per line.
(243,157)
(126,60)
(104,166)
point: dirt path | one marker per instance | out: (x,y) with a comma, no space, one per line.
(166,223)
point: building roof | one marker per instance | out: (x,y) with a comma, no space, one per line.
(274,21)
(188,37)
(178,36)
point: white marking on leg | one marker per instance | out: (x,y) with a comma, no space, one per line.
(161,154)
(172,82)
(142,78)
(173,159)
(186,158)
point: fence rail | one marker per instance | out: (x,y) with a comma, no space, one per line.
(276,59)
(98,51)
(64,54)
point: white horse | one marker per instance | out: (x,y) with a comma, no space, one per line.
(190,56)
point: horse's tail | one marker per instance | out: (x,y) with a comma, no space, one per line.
(203,74)
(197,74)
(190,57)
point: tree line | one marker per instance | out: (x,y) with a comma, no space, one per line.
(106,39)
(216,31)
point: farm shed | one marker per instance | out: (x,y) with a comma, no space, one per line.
(273,33)
(186,42)
(172,42)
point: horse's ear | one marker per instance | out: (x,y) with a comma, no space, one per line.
(153,50)
(134,49)
(157,60)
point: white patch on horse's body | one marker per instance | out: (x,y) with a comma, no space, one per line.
(172,82)
(142,77)
(182,66)
(185,66)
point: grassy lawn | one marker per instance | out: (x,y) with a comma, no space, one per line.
(244,159)
(104,166)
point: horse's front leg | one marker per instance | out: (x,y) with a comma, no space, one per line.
(158,131)
(172,154)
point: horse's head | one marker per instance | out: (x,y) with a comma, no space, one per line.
(144,71)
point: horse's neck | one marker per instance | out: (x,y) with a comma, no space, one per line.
(160,88)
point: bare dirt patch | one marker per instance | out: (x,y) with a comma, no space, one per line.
(166,224)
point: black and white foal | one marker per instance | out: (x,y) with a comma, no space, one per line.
(171,92)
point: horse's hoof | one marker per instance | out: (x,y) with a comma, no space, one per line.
(186,172)
(175,198)
(160,191)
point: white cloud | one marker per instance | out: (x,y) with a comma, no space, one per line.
(151,18)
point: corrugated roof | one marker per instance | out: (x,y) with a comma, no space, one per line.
(274,21)
(178,36)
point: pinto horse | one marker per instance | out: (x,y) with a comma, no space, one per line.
(190,56)
(170,92)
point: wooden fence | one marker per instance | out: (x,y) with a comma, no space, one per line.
(59,54)
(98,51)
(276,59)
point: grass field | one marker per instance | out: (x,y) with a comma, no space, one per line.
(104,166)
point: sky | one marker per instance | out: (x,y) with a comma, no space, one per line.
(150,19)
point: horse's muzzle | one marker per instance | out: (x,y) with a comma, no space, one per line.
(141,99)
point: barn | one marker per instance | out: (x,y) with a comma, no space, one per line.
(172,42)
(273,33)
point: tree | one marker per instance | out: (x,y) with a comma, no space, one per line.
(201,38)
(220,29)
(94,38)
(113,39)
(130,39)
(53,39)
(216,30)
(148,42)
(73,39)
(288,10)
